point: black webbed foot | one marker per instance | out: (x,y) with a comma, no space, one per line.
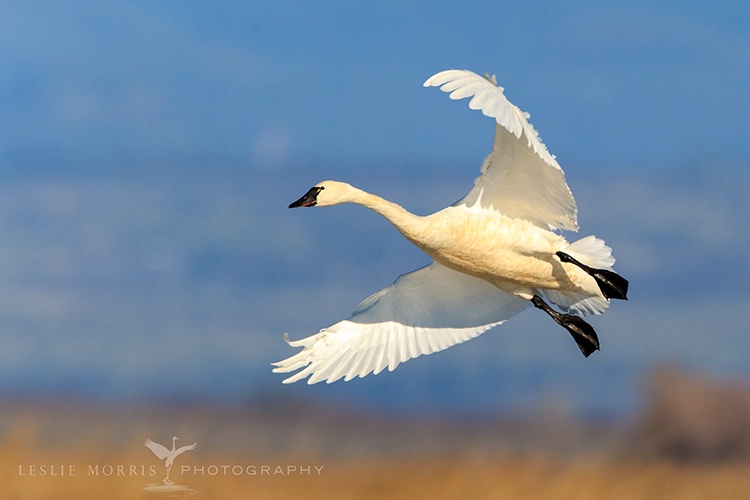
(612,285)
(583,333)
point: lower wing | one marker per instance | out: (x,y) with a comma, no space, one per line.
(422,312)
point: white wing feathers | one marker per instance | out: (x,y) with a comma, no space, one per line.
(422,312)
(519,178)
(489,98)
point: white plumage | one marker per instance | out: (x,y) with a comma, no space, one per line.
(495,252)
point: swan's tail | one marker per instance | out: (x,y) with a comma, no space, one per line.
(593,256)
(592,252)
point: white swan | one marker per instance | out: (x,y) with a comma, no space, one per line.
(494,252)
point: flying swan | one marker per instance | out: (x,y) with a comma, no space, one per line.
(495,252)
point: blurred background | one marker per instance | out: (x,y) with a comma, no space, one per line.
(149,265)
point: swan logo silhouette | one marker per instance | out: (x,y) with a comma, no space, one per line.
(163,453)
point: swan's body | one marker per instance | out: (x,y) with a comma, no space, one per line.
(495,252)
(515,255)
(512,254)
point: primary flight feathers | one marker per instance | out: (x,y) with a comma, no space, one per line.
(490,99)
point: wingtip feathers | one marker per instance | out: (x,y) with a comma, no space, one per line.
(490,98)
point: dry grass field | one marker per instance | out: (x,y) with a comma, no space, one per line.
(436,477)
(61,451)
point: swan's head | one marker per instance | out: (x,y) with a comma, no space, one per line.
(326,194)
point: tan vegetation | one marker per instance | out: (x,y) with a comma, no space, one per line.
(430,477)
(689,443)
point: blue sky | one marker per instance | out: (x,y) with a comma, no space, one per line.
(148,151)
(268,84)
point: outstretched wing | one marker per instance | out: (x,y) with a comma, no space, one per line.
(422,312)
(159,450)
(519,178)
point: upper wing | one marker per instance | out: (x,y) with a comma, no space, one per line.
(424,311)
(519,178)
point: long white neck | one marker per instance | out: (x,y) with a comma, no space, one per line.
(408,224)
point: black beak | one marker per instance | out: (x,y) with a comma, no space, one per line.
(310,198)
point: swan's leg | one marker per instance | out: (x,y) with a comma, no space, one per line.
(612,285)
(582,332)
